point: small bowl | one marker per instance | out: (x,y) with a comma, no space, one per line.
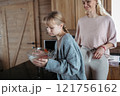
(37,53)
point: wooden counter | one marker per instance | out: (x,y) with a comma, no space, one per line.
(26,71)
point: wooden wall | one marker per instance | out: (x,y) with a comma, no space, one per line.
(39,8)
(17,31)
(44,8)
(9,2)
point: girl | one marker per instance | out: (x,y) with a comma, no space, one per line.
(96,34)
(68,63)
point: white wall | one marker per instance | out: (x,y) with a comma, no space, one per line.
(116,16)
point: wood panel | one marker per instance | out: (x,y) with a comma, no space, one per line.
(37,22)
(0,42)
(4,41)
(80,11)
(107,5)
(67,8)
(10,2)
(45,8)
(114,73)
(18,31)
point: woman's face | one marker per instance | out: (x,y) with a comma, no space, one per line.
(53,29)
(89,5)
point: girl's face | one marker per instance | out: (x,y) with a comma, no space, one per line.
(54,29)
(89,5)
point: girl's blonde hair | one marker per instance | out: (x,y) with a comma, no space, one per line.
(56,17)
(100,9)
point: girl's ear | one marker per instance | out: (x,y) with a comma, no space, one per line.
(61,25)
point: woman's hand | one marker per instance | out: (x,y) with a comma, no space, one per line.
(99,52)
(40,62)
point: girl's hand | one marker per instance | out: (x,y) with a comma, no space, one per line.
(40,62)
(99,52)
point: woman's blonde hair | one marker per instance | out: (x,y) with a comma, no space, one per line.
(100,9)
(56,17)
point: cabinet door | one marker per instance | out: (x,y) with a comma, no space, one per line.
(66,7)
(17,30)
(114,73)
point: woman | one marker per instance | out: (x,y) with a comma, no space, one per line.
(96,34)
(68,63)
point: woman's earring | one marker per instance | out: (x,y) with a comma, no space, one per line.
(97,3)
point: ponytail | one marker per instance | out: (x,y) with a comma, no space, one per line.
(65,29)
(100,9)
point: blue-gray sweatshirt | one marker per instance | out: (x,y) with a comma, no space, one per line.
(69,63)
